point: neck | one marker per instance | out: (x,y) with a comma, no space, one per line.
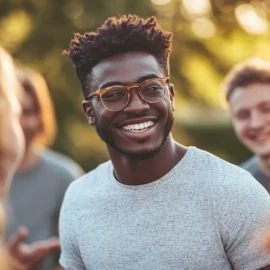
(30,159)
(264,164)
(139,172)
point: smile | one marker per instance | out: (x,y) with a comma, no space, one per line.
(259,137)
(140,127)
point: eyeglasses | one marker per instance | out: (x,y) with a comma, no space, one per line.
(117,97)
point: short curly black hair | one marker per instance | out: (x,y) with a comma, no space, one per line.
(118,35)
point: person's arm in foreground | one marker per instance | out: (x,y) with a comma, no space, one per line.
(29,256)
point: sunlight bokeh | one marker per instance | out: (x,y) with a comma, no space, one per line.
(203,28)
(160,2)
(73,10)
(197,7)
(249,19)
(15,28)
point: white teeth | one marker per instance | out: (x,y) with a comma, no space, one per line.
(140,126)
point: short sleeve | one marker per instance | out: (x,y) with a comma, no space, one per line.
(70,257)
(65,178)
(244,220)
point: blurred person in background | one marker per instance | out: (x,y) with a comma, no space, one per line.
(38,188)
(11,138)
(156,204)
(247,90)
(17,255)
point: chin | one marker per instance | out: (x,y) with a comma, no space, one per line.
(138,152)
(140,155)
(263,154)
(261,151)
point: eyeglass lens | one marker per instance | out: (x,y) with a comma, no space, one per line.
(116,98)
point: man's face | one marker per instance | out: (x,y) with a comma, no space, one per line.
(250,107)
(116,128)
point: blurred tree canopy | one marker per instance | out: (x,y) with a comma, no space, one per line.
(209,37)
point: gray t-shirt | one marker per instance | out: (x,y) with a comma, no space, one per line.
(204,214)
(252,166)
(36,196)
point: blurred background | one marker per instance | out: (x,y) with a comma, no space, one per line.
(209,38)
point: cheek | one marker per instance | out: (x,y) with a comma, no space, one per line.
(240,127)
(14,146)
(267,119)
(30,122)
(18,138)
(165,105)
(103,117)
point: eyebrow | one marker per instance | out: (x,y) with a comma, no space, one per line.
(140,80)
(241,110)
(261,104)
(264,103)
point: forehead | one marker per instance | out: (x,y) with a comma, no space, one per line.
(125,67)
(247,97)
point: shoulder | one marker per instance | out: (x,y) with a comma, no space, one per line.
(88,182)
(61,164)
(233,189)
(250,164)
(223,177)
(212,164)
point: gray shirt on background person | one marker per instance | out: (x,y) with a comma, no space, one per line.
(36,196)
(252,166)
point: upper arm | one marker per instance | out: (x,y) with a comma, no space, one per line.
(245,223)
(70,257)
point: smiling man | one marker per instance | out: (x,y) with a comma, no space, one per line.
(247,89)
(156,204)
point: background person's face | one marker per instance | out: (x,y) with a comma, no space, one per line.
(125,69)
(250,107)
(30,118)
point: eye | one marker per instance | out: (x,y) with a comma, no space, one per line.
(265,109)
(242,115)
(114,94)
(152,89)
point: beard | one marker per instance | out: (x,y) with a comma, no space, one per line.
(104,134)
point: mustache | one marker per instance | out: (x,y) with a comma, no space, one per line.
(131,116)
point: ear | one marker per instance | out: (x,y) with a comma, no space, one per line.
(88,112)
(171,93)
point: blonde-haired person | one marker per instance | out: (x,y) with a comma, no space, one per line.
(11,139)
(17,255)
(43,175)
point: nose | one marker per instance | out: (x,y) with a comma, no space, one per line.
(136,103)
(256,120)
